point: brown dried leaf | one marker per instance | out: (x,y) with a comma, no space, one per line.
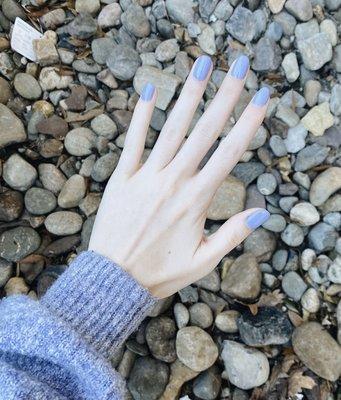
(298,381)
(288,361)
(295,319)
(271,299)
(253,308)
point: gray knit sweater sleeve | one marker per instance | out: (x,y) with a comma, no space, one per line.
(60,347)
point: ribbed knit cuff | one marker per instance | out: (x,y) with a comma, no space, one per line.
(101,301)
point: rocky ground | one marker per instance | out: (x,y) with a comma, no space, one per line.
(266,323)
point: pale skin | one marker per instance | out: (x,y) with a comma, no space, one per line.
(152,216)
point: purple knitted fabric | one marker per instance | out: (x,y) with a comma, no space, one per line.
(60,347)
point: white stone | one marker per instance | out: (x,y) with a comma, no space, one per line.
(318,119)
(305,214)
(290,66)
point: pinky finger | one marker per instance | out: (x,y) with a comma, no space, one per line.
(228,236)
(137,132)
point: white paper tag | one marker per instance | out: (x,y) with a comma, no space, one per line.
(22,38)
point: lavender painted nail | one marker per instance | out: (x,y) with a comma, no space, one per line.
(261,97)
(240,67)
(202,68)
(256,219)
(147,92)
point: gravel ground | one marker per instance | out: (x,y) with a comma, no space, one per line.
(266,324)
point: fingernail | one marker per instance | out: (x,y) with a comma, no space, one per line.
(202,67)
(240,67)
(147,92)
(261,97)
(257,218)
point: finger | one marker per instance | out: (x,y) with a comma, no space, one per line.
(235,144)
(228,236)
(137,132)
(179,120)
(213,120)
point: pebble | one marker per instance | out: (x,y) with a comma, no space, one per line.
(312,90)
(17,243)
(80,141)
(328,26)
(261,243)
(109,16)
(12,10)
(206,41)
(318,119)
(53,19)
(317,350)
(200,315)
(72,192)
(40,201)
(12,129)
(6,270)
(226,321)
(45,51)
(270,326)
(334,271)
(87,6)
(165,83)
(83,26)
(62,223)
(11,205)
(245,367)
(290,66)
(123,62)
(16,286)
(148,378)
(49,79)
(266,184)
(276,6)
(51,177)
(310,157)
(5,91)
(228,200)
(267,55)
(160,337)
(315,51)
(293,235)
(242,25)
(310,300)
(295,140)
(18,173)
(55,126)
(181,315)
(301,9)
(104,126)
(243,279)
(335,100)
(181,11)
(27,86)
(305,214)
(207,385)
(135,21)
(293,285)
(104,167)
(322,237)
(195,348)
(324,185)
(167,50)
(275,223)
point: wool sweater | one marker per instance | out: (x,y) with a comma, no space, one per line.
(60,347)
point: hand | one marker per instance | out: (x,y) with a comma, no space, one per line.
(152,216)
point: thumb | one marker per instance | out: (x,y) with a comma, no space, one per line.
(229,235)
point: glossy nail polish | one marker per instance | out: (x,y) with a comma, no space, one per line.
(240,67)
(256,219)
(147,92)
(261,97)
(202,67)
